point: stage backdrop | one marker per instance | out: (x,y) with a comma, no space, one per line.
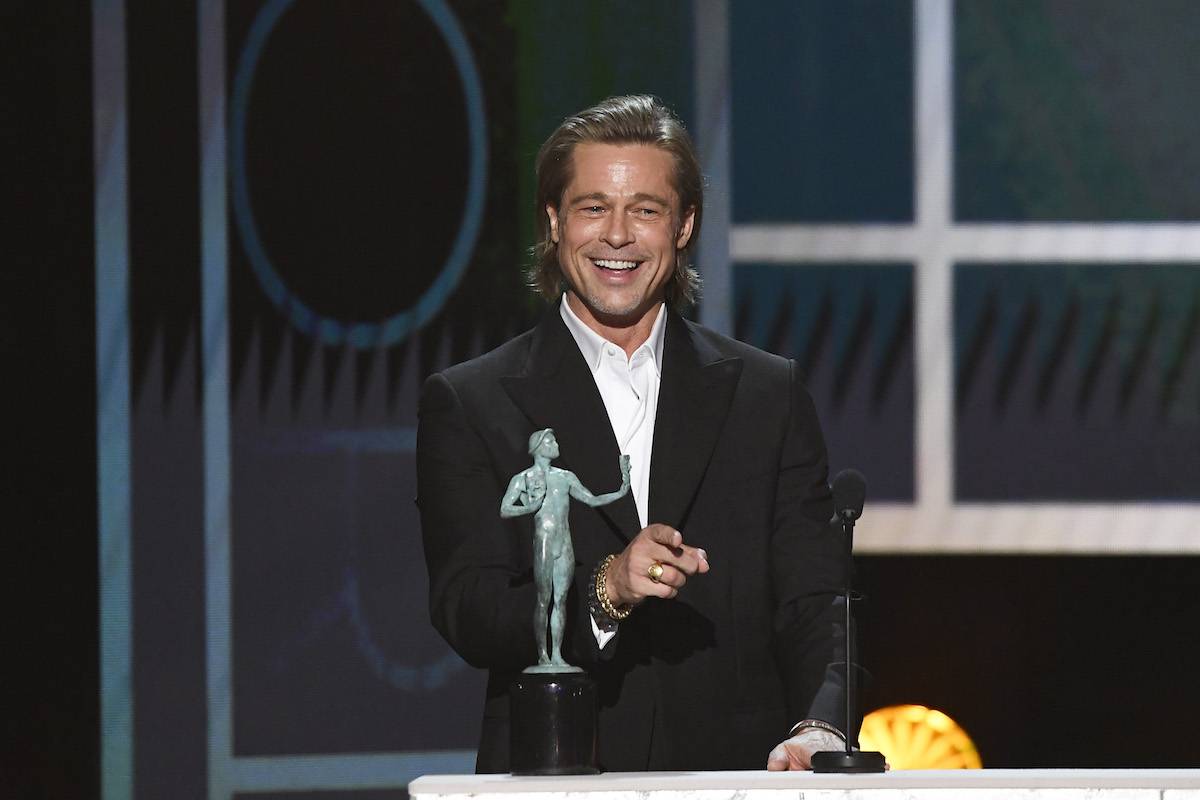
(973,225)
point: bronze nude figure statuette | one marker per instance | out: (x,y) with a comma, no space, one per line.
(546,492)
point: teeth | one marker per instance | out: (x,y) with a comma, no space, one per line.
(609,264)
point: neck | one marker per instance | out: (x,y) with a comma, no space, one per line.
(628,333)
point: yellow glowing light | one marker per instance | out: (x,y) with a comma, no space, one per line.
(916,737)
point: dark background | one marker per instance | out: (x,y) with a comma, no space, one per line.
(51,684)
(1063,661)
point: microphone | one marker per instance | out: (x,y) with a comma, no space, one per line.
(849,494)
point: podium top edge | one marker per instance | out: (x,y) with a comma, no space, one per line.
(434,785)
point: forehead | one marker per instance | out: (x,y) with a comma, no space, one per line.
(621,169)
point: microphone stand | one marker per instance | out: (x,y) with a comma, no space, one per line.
(850,761)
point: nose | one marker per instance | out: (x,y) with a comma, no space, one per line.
(617,233)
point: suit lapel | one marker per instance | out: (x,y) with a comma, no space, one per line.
(693,399)
(556,390)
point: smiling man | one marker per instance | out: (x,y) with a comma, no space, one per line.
(616,231)
(710,618)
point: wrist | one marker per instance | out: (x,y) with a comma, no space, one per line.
(817,725)
(600,600)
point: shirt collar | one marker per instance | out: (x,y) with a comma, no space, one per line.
(591,344)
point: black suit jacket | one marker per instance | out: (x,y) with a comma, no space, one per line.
(712,679)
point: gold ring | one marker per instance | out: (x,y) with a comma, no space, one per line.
(655,571)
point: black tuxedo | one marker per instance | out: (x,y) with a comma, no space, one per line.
(712,679)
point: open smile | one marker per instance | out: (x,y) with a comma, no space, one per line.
(616,265)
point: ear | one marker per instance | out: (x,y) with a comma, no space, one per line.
(552,215)
(685,230)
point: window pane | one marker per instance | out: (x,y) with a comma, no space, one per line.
(1077,111)
(822,111)
(850,329)
(1077,382)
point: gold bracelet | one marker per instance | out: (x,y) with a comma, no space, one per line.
(601,588)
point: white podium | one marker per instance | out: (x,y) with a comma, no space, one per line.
(980,784)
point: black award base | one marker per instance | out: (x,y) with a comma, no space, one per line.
(841,761)
(553,724)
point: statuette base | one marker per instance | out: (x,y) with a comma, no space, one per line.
(553,723)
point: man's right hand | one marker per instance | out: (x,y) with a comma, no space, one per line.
(628,580)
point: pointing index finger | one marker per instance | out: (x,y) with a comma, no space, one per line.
(668,537)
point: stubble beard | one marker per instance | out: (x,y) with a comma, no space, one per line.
(603,307)
(607,308)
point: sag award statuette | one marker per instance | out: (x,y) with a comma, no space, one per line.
(553,704)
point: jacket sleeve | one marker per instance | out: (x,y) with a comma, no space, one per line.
(481,593)
(808,571)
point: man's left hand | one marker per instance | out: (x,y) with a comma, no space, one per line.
(796,752)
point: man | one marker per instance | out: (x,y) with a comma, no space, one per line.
(710,617)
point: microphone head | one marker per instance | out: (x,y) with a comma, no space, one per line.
(849,494)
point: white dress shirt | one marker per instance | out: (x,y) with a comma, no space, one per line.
(629,388)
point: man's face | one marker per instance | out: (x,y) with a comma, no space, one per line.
(618,230)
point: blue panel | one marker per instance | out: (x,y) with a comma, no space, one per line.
(850,329)
(1076,111)
(1077,382)
(822,111)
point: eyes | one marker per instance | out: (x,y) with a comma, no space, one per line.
(639,212)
